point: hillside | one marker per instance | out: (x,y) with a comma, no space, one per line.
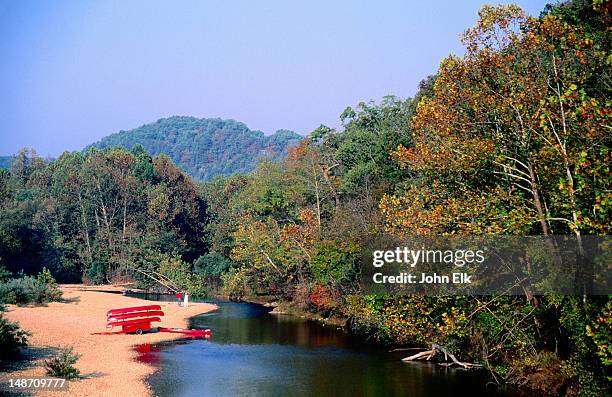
(205,147)
(5,162)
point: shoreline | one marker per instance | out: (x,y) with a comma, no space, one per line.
(108,363)
(283,308)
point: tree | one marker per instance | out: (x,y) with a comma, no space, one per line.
(509,120)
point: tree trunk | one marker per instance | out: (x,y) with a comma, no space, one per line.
(536,198)
(85,228)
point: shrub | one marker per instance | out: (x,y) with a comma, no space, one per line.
(28,289)
(544,373)
(47,289)
(17,291)
(323,298)
(12,337)
(62,365)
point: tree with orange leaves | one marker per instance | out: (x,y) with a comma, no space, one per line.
(511,124)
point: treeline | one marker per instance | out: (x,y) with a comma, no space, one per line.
(101,216)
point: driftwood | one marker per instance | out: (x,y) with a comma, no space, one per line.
(437,349)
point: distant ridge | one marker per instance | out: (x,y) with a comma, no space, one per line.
(5,161)
(205,147)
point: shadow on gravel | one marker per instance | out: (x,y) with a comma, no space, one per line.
(26,359)
(76,299)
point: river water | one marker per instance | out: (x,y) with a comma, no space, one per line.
(254,353)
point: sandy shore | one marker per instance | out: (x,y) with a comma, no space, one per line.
(108,361)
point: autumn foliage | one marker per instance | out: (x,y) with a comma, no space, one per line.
(512,138)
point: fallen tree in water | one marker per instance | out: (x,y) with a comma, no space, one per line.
(437,349)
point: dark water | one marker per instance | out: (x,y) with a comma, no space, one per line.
(253,353)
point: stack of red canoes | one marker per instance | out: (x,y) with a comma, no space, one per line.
(138,319)
(134,319)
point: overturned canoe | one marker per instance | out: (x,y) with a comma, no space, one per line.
(152,313)
(196,333)
(132,309)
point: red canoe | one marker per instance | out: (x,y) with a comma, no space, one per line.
(115,317)
(120,323)
(196,333)
(126,310)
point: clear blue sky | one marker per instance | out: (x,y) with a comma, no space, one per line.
(74,71)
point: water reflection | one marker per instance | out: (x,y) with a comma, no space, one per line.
(147,354)
(256,353)
(250,324)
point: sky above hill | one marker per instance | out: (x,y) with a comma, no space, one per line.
(75,71)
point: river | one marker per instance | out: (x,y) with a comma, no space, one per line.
(255,353)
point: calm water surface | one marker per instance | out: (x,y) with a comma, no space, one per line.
(254,353)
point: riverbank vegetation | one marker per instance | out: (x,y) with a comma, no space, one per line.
(62,365)
(12,338)
(513,138)
(25,290)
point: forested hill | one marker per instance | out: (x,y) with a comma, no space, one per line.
(5,162)
(205,147)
